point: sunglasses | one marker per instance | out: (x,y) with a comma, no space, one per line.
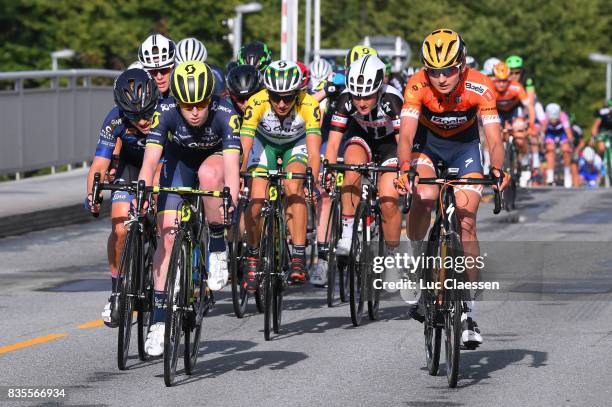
(435,73)
(200,105)
(515,72)
(239,99)
(162,71)
(136,117)
(276,98)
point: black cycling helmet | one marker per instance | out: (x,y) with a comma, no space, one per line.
(136,94)
(255,53)
(230,65)
(243,81)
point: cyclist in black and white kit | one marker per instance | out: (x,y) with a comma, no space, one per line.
(368,113)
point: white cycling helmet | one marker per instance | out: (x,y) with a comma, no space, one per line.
(471,62)
(282,77)
(190,49)
(156,51)
(588,154)
(553,111)
(320,69)
(489,64)
(136,64)
(365,76)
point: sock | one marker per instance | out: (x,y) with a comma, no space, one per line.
(550,176)
(347,226)
(252,251)
(536,160)
(323,249)
(159,311)
(299,251)
(216,238)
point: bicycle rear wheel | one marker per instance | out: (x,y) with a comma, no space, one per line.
(335,230)
(237,252)
(175,304)
(281,251)
(357,266)
(127,273)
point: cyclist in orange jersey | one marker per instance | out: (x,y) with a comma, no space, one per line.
(439,123)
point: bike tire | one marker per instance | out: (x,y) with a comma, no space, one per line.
(267,267)
(281,249)
(335,230)
(356,267)
(432,331)
(175,303)
(452,319)
(145,311)
(237,253)
(193,333)
(343,280)
(374,294)
(128,272)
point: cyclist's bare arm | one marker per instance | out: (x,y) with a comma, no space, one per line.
(313,145)
(100,165)
(247,144)
(152,155)
(408,128)
(595,127)
(231,164)
(333,145)
(493,136)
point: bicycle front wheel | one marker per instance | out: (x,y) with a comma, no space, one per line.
(266,267)
(335,230)
(127,274)
(193,333)
(237,252)
(175,304)
(357,266)
(145,311)
(453,308)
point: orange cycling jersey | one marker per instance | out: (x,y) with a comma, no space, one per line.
(449,115)
(515,93)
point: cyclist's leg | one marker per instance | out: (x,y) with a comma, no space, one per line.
(424,158)
(295,159)
(566,149)
(210,176)
(389,197)
(550,158)
(357,152)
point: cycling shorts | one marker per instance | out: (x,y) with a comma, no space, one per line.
(555,138)
(179,173)
(263,154)
(464,154)
(510,115)
(381,150)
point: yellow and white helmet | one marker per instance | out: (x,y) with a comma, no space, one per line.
(443,48)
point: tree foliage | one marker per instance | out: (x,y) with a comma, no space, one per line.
(554,38)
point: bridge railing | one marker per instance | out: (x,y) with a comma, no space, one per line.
(51,126)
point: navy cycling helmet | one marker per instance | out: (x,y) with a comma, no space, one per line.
(136,94)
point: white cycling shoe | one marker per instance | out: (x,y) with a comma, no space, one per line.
(217,270)
(470,336)
(154,345)
(318,278)
(344,246)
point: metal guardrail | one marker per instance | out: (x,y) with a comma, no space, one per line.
(51,126)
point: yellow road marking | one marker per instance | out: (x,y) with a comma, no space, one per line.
(92,324)
(31,342)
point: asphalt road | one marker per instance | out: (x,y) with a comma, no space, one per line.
(543,346)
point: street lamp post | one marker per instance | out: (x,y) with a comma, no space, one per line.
(61,54)
(606,59)
(241,9)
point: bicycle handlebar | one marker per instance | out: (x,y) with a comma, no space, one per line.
(471,181)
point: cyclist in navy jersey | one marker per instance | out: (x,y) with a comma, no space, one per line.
(128,124)
(199,137)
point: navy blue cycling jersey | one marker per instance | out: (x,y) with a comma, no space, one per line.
(220,131)
(116,126)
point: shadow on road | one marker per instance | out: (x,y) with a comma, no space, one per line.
(239,362)
(478,365)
